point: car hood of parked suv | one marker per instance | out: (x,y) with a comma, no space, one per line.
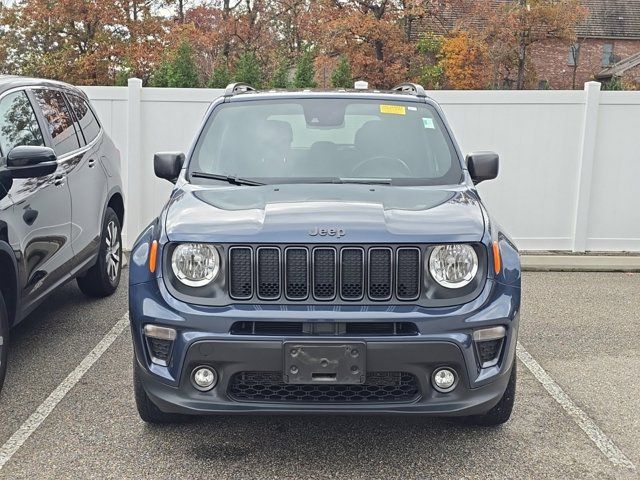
(324,213)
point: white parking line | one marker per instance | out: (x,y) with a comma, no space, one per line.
(32,423)
(597,436)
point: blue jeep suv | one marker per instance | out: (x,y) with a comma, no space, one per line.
(325,252)
(61,200)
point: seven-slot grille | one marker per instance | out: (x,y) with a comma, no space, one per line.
(324,273)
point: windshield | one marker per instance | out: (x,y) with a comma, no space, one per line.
(326,140)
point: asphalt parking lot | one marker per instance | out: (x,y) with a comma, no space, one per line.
(581,329)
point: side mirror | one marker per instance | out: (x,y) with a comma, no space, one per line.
(167,165)
(483,166)
(27,161)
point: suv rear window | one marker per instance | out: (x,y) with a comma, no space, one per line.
(275,140)
(87,121)
(59,120)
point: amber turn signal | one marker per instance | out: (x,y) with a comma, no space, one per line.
(153,254)
(497,261)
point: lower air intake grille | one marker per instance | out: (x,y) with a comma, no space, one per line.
(489,350)
(275,328)
(160,349)
(269,387)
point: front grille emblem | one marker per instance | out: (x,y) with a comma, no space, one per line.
(331,232)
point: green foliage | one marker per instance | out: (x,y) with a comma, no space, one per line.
(341,76)
(280,77)
(430,44)
(183,71)
(160,78)
(249,70)
(305,74)
(613,85)
(432,77)
(430,71)
(124,74)
(220,77)
(179,70)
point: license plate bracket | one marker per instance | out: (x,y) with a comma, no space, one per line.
(325,363)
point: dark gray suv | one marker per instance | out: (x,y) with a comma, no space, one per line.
(61,200)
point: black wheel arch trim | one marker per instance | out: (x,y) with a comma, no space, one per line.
(7,251)
(115,190)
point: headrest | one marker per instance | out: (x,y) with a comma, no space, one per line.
(369,134)
(276,132)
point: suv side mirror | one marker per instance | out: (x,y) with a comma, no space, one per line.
(28,161)
(483,166)
(167,165)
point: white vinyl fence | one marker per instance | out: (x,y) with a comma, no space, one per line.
(570,160)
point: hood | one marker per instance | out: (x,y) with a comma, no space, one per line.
(336,213)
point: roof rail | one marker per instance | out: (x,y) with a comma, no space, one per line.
(238,87)
(413,88)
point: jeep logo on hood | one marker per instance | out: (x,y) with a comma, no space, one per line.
(323,232)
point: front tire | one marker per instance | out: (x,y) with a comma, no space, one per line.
(147,410)
(502,411)
(4,339)
(103,278)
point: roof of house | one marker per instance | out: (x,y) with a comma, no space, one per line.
(618,69)
(611,19)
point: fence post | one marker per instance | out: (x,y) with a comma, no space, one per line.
(133,183)
(585,166)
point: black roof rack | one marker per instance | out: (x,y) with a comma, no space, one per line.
(413,88)
(238,87)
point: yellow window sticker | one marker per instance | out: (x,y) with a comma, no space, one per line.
(393,109)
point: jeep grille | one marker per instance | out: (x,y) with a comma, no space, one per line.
(325,273)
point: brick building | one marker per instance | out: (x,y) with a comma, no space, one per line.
(607,47)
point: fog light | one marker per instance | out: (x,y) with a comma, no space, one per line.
(444,379)
(204,378)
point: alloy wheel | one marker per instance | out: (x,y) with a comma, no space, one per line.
(113,251)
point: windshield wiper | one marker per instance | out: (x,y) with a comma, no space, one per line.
(226,178)
(366,181)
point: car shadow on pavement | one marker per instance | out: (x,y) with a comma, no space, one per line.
(333,442)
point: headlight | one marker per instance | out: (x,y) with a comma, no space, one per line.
(453,266)
(195,264)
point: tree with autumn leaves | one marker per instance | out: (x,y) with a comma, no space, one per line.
(280,43)
(81,41)
(508,31)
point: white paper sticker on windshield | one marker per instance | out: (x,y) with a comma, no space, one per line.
(428,122)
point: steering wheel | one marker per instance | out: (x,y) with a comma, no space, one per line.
(389,164)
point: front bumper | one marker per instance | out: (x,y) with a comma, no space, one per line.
(444,339)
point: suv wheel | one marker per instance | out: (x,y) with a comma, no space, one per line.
(103,278)
(146,408)
(4,339)
(502,411)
